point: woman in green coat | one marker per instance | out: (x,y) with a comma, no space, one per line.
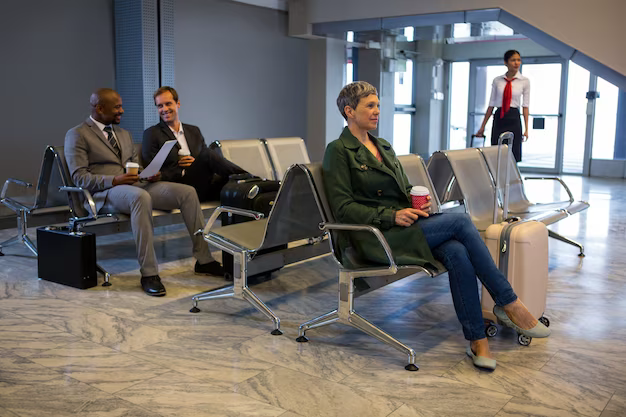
(366,184)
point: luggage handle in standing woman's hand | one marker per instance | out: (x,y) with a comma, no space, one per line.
(478,136)
(506,136)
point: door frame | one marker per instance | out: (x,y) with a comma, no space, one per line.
(471,128)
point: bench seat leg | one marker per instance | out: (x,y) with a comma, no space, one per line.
(21,237)
(224,292)
(567,240)
(251,297)
(239,290)
(107,276)
(320,321)
(345,314)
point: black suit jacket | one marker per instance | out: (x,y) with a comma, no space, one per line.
(155,136)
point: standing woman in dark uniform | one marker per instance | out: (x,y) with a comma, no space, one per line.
(509,92)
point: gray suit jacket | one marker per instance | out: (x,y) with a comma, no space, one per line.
(91,160)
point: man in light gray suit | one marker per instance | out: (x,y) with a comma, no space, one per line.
(97,151)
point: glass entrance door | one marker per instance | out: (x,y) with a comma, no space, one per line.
(543,152)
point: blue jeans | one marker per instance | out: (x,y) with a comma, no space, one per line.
(455,242)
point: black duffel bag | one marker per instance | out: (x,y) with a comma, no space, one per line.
(249,193)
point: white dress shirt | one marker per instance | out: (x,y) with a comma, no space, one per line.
(106,135)
(180,137)
(520,88)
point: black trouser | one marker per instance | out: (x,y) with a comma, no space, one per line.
(509,123)
(209,173)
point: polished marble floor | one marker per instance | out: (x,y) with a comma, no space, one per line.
(117,352)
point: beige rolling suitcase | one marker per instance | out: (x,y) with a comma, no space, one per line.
(520,250)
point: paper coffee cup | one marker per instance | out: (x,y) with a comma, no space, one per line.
(183,152)
(132,168)
(419,196)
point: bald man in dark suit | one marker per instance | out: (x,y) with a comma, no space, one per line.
(97,151)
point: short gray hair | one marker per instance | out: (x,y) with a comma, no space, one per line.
(352,93)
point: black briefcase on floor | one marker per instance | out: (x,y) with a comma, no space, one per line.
(67,258)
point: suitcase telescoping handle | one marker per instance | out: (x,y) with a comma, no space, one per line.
(508,137)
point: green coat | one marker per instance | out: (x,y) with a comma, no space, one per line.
(362,190)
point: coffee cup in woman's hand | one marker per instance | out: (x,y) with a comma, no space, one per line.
(419,196)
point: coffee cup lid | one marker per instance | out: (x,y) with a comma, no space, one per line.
(132,165)
(419,190)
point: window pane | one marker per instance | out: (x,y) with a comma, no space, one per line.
(545,87)
(349,73)
(484,77)
(459,90)
(403,88)
(605,120)
(496,28)
(461,30)
(402,133)
(408,33)
(576,119)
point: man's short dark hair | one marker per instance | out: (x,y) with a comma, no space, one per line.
(166,89)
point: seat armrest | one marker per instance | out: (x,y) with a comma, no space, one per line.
(225,209)
(392,268)
(13,181)
(569,193)
(88,197)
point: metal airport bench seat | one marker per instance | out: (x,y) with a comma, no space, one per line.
(518,202)
(294,219)
(357,276)
(266,158)
(109,223)
(46,200)
(464,175)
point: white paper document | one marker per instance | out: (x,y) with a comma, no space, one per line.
(156,164)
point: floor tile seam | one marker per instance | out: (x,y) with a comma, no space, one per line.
(402,404)
(361,393)
(565,378)
(195,380)
(479,387)
(135,354)
(600,358)
(141,407)
(502,408)
(607,404)
(115,353)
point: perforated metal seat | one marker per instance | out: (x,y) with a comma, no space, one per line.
(416,172)
(468,170)
(518,202)
(285,152)
(294,217)
(249,154)
(45,199)
(357,276)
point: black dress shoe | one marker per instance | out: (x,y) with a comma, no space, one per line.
(212,268)
(152,286)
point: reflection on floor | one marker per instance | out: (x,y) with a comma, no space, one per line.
(117,352)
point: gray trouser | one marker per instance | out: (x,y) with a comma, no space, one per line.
(139,200)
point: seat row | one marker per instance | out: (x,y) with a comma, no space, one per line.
(56,196)
(468,176)
(301,210)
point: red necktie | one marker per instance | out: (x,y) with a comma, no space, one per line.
(506,97)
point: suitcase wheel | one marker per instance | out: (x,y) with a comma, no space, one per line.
(491,330)
(544,320)
(524,340)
